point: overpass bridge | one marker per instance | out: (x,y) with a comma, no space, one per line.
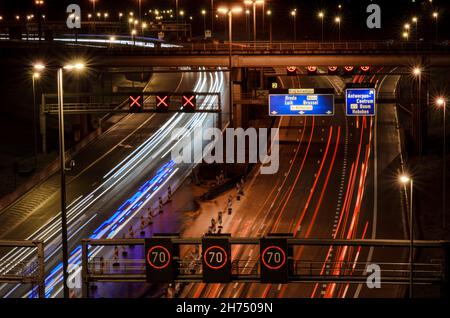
(249,54)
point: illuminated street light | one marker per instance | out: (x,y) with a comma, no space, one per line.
(338,21)
(204,21)
(74,66)
(39,67)
(254,3)
(269,15)
(406,36)
(417,71)
(294,17)
(406,26)
(230,13)
(321,15)
(441,102)
(415,20)
(436,16)
(404,180)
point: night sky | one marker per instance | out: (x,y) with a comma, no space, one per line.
(353,12)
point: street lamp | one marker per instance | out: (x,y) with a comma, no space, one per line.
(321,15)
(415,20)
(436,16)
(76,66)
(417,73)
(294,16)
(204,22)
(338,21)
(441,102)
(247,27)
(133,35)
(254,3)
(230,13)
(406,36)
(182,21)
(404,180)
(269,15)
(36,76)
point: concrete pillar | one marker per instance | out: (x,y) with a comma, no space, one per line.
(237,91)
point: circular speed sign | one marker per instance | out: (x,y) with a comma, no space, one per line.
(273,257)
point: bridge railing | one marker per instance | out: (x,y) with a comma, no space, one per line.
(300,47)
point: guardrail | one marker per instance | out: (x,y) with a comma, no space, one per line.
(24,272)
(300,47)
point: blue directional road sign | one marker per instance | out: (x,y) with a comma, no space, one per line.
(360,101)
(301,105)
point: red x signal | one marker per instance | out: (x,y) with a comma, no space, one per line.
(162,101)
(135,101)
(188,101)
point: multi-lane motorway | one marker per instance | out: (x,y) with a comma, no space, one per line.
(335,181)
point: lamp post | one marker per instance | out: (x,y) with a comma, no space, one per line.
(269,15)
(230,12)
(338,21)
(404,179)
(182,21)
(441,102)
(254,3)
(212,17)
(133,35)
(294,17)
(204,22)
(247,27)
(406,32)
(415,20)
(65,253)
(39,4)
(321,15)
(36,76)
(436,16)
(417,72)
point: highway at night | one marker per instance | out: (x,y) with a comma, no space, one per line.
(235,156)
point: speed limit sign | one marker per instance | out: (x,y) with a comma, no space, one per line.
(216,260)
(274,260)
(159,255)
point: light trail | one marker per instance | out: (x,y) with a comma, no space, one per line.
(121,217)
